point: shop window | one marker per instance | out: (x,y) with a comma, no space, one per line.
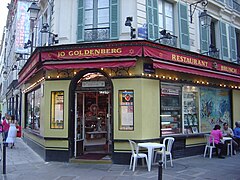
(33,109)
(57,107)
(126,110)
(191,109)
(171,107)
(214,108)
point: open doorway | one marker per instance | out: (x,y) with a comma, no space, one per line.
(93,125)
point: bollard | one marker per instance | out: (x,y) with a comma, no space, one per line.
(160,163)
(4,157)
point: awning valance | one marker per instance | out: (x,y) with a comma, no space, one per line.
(107,63)
(193,70)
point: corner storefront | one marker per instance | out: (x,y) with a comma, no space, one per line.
(86,99)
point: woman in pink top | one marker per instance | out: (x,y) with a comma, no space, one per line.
(217,134)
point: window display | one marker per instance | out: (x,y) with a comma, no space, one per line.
(171,109)
(57,107)
(190,109)
(33,109)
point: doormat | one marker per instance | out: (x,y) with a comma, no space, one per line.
(91,156)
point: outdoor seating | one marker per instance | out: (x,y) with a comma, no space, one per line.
(168,142)
(210,145)
(135,155)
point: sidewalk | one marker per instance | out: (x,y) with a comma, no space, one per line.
(24,164)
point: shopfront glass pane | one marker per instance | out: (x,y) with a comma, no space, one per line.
(191,109)
(33,109)
(171,122)
(215,108)
(36,109)
(29,108)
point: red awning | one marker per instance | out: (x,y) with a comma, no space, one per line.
(90,64)
(23,79)
(193,70)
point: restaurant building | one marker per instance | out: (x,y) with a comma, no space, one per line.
(79,99)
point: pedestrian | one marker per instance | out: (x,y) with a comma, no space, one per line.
(12,133)
(6,125)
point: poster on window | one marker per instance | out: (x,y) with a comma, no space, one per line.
(126,112)
(57,110)
(214,108)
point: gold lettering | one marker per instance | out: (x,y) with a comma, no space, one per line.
(174,57)
(70,53)
(119,50)
(61,54)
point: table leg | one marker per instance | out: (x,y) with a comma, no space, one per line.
(149,158)
(231,148)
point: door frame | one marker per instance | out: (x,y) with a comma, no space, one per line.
(71,109)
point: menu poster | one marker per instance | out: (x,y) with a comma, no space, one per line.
(57,110)
(126,106)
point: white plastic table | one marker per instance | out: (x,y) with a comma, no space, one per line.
(151,146)
(228,139)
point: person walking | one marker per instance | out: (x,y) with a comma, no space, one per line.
(12,133)
(6,125)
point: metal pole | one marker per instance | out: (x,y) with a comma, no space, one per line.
(160,163)
(32,41)
(4,157)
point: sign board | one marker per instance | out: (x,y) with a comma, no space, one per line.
(87,84)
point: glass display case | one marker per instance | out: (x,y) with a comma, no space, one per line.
(190,109)
(171,109)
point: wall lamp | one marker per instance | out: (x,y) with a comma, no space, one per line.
(45,29)
(205,18)
(128,22)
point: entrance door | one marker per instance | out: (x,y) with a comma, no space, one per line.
(93,122)
(79,124)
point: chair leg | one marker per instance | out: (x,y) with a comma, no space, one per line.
(146,161)
(130,166)
(171,159)
(205,151)
(134,163)
(155,157)
(210,154)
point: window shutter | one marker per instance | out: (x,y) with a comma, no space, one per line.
(183,30)
(114,19)
(204,37)
(232,40)
(80,23)
(224,42)
(152,19)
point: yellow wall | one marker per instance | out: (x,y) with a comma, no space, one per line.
(146,108)
(236,106)
(57,85)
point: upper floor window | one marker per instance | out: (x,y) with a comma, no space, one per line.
(166,22)
(97,20)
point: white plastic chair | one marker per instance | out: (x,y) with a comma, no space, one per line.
(210,144)
(168,142)
(136,155)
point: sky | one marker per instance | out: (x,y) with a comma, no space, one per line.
(3,15)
